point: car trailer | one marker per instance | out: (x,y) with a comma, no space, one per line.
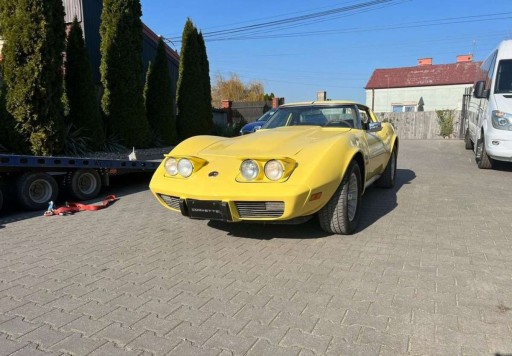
(34,181)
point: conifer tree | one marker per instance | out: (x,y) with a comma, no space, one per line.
(84,109)
(206,100)
(192,116)
(34,41)
(121,71)
(158,98)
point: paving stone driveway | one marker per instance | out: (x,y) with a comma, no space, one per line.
(428,272)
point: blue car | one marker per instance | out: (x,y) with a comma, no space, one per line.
(256,125)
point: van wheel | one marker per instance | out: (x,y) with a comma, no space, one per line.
(482,159)
(35,190)
(467,141)
(82,184)
(341,213)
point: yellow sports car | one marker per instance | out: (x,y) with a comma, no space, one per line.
(309,158)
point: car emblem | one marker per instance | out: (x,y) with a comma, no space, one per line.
(213,174)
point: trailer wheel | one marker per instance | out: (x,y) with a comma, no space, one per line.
(83,184)
(35,190)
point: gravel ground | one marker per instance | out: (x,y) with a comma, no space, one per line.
(141,154)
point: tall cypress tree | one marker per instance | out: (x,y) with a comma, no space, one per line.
(206,100)
(84,110)
(121,71)
(34,41)
(158,98)
(189,91)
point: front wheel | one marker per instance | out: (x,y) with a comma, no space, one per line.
(341,213)
(467,141)
(482,159)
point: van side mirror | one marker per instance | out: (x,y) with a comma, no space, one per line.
(479,90)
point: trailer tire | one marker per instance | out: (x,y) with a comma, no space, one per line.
(35,190)
(83,184)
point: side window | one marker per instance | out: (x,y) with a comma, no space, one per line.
(365,117)
(487,70)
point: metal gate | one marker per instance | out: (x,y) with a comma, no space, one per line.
(466,98)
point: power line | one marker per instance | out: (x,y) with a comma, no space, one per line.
(302,20)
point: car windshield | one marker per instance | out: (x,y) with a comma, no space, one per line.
(504,77)
(315,115)
(266,116)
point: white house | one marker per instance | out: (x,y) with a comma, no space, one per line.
(426,87)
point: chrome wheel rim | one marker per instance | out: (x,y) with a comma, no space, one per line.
(352,197)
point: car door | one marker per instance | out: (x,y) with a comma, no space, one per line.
(378,143)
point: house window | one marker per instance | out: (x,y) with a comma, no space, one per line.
(404,108)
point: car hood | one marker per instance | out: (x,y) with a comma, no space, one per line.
(283,142)
(503,103)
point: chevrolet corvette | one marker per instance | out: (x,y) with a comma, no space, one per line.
(310,158)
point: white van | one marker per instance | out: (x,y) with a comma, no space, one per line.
(489,117)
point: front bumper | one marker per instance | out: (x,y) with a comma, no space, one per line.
(498,147)
(214,199)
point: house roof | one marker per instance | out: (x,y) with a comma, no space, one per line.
(424,75)
(155,38)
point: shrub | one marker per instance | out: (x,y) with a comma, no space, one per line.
(445,120)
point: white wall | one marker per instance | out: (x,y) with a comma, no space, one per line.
(434,97)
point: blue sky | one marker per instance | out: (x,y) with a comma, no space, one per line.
(335,53)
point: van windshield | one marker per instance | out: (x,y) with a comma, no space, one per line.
(504,77)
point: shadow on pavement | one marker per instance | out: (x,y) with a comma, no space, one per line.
(120,186)
(264,231)
(375,204)
(378,202)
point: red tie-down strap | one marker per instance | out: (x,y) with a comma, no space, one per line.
(72,208)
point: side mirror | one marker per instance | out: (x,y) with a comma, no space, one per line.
(479,90)
(374,126)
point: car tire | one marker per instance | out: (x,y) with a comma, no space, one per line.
(482,159)
(82,184)
(467,141)
(35,190)
(387,180)
(341,213)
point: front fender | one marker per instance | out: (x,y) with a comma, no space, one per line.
(193,145)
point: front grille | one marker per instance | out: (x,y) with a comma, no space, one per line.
(260,209)
(173,202)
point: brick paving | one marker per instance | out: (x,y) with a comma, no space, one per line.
(429,271)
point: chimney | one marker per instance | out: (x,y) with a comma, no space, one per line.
(465,58)
(321,95)
(425,61)
(276,102)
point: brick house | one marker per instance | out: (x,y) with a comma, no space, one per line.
(425,87)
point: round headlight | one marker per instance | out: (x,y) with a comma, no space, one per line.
(274,170)
(185,167)
(171,166)
(249,169)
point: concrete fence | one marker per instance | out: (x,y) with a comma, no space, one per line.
(422,125)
